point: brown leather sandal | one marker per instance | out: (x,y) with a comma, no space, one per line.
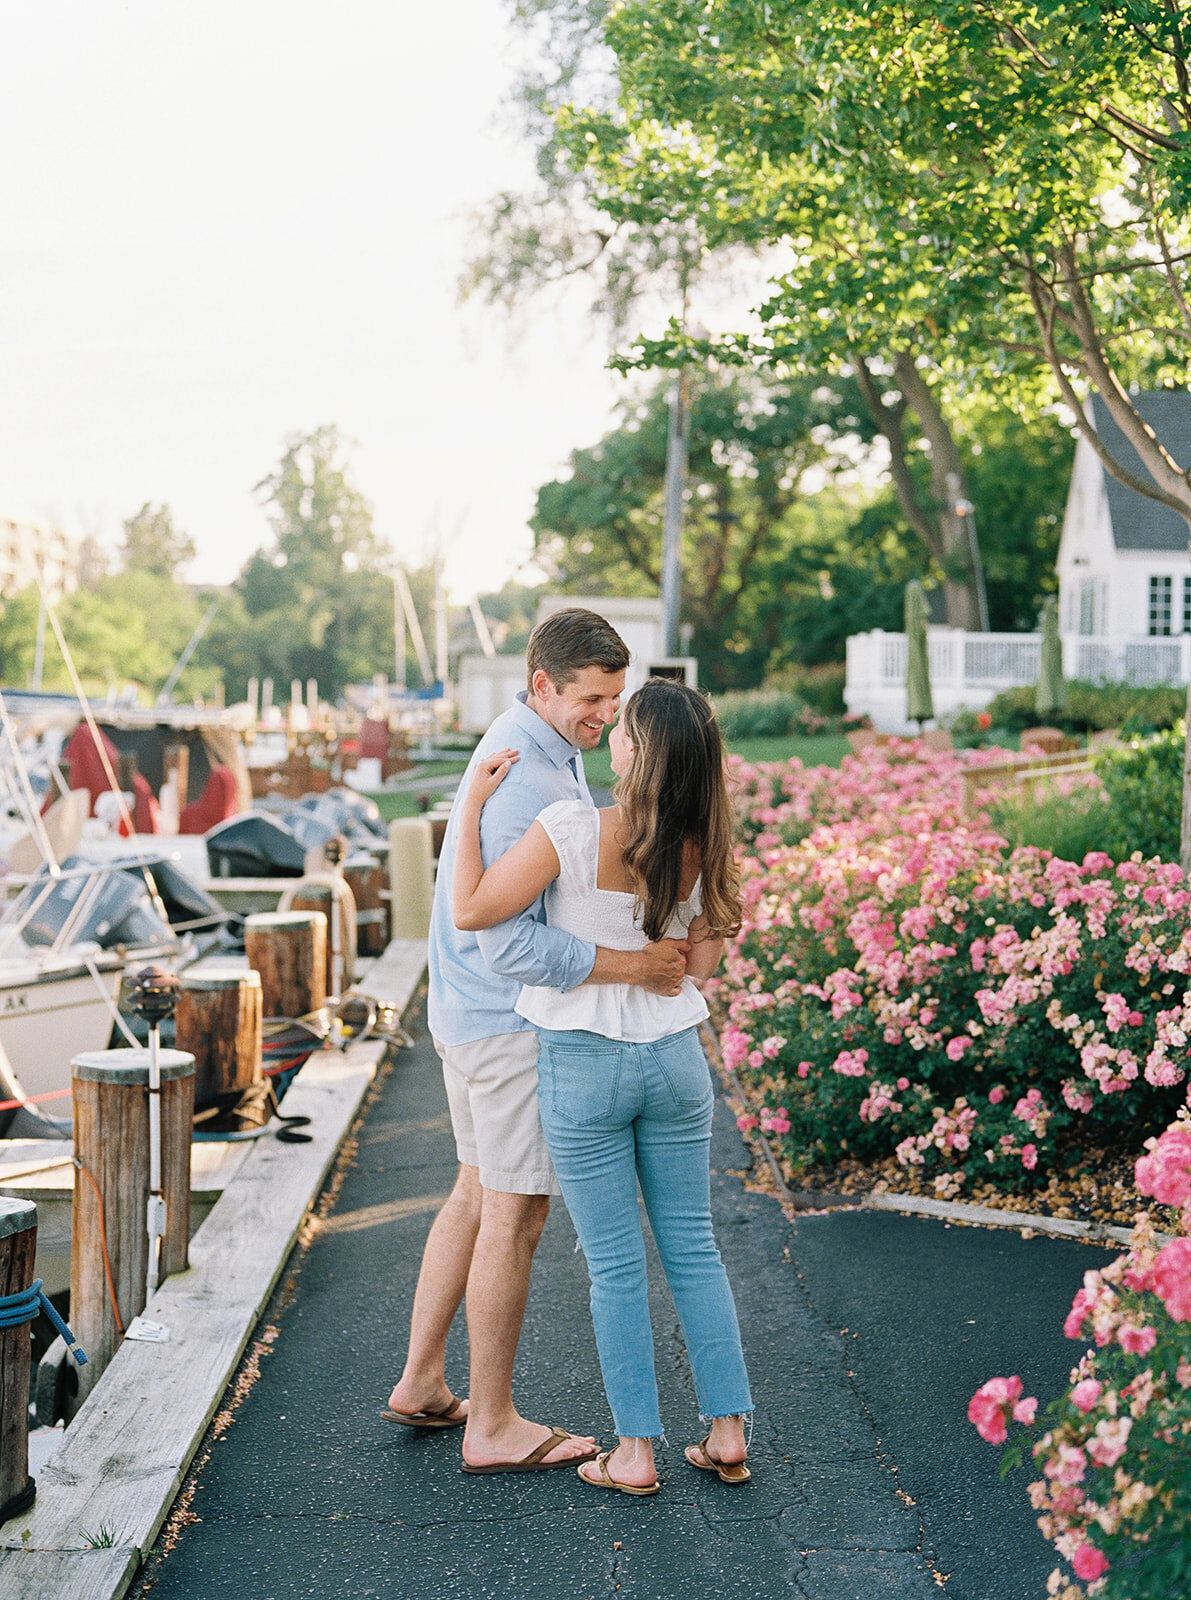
(728,1472)
(533,1461)
(607,1481)
(448,1416)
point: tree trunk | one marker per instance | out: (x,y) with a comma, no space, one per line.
(948,489)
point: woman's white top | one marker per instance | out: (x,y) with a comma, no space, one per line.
(605,916)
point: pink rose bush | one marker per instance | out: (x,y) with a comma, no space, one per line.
(906,985)
(1115,1451)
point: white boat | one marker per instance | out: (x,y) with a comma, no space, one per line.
(53,1005)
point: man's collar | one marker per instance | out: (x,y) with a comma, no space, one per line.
(549,741)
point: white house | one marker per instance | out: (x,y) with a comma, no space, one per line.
(1123,566)
(1124,593)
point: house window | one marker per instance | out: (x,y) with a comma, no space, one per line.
(1087,607)
(1161,600)
(1187,605)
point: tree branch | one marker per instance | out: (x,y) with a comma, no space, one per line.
(1159,463)
(1042,299)
(1134,126)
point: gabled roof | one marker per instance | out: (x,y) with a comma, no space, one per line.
(1138,523)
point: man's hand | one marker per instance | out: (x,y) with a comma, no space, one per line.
(662,966)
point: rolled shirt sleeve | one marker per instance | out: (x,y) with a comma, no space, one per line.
(526,947)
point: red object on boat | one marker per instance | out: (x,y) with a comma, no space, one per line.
(83,765)
(217,803)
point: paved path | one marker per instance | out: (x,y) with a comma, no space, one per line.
(866,1333)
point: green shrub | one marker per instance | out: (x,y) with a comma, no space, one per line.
(806,702)
(821,687)
(1144,784)
(1126,706)
(1068,825)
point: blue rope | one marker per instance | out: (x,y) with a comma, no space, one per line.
(17,1309)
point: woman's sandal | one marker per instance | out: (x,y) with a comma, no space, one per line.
(607,1481)
(728,1472)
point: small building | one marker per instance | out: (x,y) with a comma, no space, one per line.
(1123,564)
(487,684)
(29,551)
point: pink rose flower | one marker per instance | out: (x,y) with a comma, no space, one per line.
(1166,1171)
(1137,1341)
(1088,1563)
(1172,1278)
(1068,1465)
(1107,1445)
(996,1095)
(1029,1156)
(957,1046)
(1086,1393)
(746,1122)
(988,1406)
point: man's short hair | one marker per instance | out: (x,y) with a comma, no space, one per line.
(566,642)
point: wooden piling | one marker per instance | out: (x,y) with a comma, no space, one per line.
(18,1243)
(218,1021)
(111,1191)
(366,879)
(311,896)
(289,950)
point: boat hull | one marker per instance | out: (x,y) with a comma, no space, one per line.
(49,1013)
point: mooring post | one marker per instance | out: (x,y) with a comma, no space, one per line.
(218,1021)
(411,876)
(109,1254)
(289,950)
(366,879)
(18,1244)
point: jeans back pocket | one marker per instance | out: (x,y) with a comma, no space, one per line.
(683,1070)
(578,1078)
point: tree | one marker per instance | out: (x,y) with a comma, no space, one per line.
(775,577)
(1011,175)
(152,544)
(319,600)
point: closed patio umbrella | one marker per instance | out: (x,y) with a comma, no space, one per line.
(1050,697)
(919,706)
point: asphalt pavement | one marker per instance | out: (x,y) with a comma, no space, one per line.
(865,1332)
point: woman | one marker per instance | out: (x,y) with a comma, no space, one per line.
(624,1090)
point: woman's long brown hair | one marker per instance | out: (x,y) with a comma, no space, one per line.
(675,790)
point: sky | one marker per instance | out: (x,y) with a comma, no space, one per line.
(224,224)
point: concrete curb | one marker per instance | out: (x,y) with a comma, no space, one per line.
(108,1488)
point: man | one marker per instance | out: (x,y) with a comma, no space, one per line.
(483,1240)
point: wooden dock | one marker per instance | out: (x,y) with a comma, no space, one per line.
(109,1486)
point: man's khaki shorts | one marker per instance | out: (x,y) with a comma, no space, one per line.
(492,1090)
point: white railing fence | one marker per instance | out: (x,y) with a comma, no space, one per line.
(968,669)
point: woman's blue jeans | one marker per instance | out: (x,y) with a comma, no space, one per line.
(616,1114)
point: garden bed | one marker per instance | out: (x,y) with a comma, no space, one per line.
(913,1004)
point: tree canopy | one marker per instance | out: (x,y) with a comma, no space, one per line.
(998,187)
(152,544)
(776,575)
(319,598)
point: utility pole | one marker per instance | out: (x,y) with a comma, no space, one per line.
(677,439)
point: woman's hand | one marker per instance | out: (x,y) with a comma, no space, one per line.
(488,774)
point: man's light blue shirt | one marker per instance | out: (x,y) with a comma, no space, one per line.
(475,978)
